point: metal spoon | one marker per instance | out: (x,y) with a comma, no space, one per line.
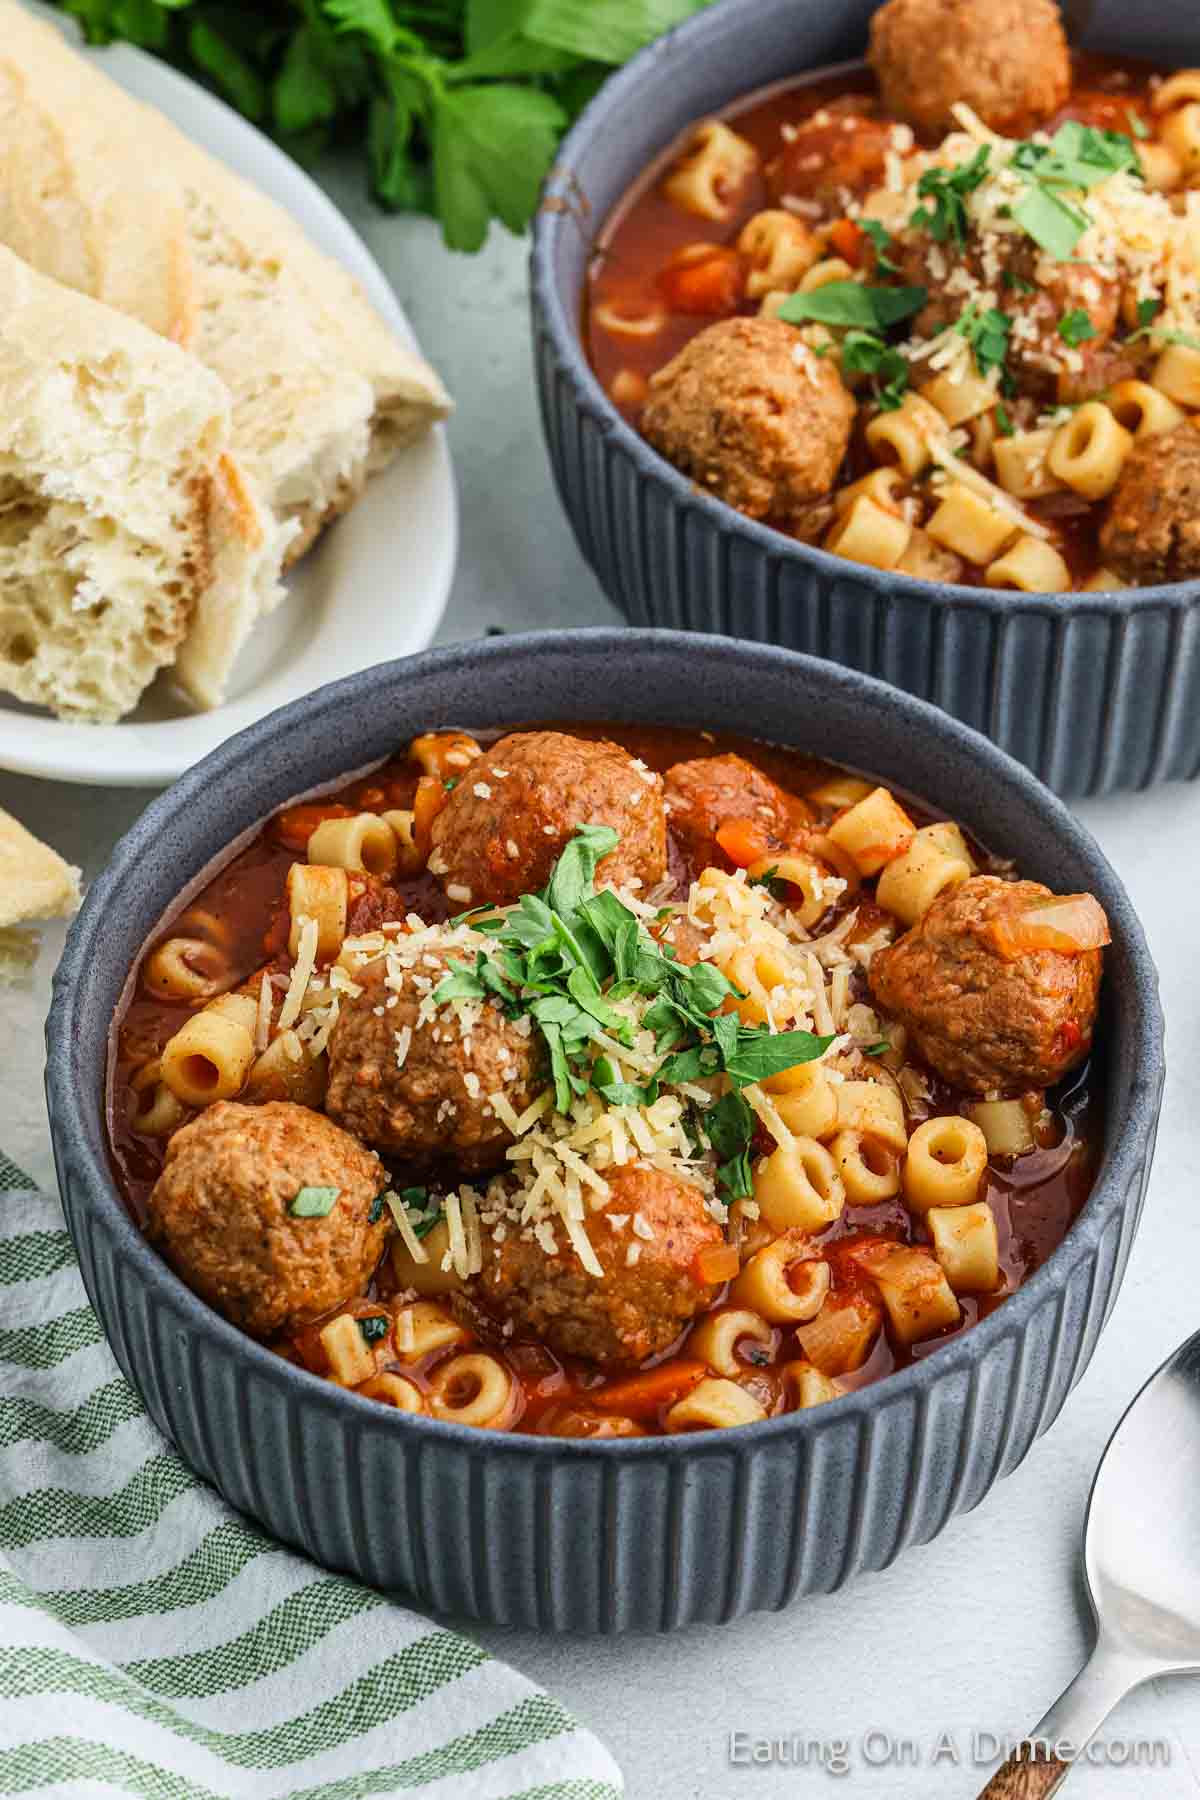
(1141,1557)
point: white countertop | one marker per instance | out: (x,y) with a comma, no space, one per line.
(976,1632)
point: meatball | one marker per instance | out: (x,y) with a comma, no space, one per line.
(705,794)
(1152,532)
(753,415)
(1007,59)
(418,1088)
(508,821)
(635,1311)
(221,1214)
(984,1021)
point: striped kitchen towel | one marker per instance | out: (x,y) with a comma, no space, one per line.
(153,1642)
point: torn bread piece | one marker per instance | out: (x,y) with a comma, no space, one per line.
(126,527)
(35,883)
(323,391)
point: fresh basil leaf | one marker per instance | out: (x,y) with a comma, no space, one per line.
(735,1178)
(694,1064)
(313,1202)
(461,983)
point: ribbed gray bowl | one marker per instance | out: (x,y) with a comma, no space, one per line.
(1092,691)
(635,1534)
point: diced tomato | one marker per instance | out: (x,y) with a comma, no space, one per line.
(744,841)
(848,240)
(708,280)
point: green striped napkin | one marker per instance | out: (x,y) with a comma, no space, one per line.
(152,1642)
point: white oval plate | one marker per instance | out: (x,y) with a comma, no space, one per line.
(376,584)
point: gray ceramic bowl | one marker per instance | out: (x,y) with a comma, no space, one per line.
(647,1533)
(1092,691)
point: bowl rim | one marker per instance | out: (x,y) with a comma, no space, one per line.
(77,1110)
(559,210)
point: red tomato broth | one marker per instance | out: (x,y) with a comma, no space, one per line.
(1035,1200)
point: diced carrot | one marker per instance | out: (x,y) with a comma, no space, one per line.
(296,824)
(640,1396)
(847,239)
(715,1263)
(428,802)
(744,841)
(711,285)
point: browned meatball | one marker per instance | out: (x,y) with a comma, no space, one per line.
(982,1020)
(419,1088)
(1007,59)
(705,794)
(511,816)
(753,415)
(637,1310)
(221,1214)
(1152,532)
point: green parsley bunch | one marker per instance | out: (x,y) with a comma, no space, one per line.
(458,106)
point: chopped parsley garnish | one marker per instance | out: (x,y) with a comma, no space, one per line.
(1017,284)
(1050,221)
(419,1210)
(881,239)
(450,783)
(374,1327)
(1077,158)
(879,1049)
(865,353)
(945,191)
(314,1202)
(770,880)
(1004,424)
(854,304)
(565,957)
(988,334)
(1075,327)
(377,1206)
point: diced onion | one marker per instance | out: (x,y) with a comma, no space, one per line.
(1070,925)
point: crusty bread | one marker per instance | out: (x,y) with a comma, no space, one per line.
(323,392)
(35,883)
(124,522)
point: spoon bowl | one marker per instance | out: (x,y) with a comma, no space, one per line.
(1142,1561)
(1142,1546)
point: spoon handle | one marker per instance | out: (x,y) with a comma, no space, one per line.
(1035,1769)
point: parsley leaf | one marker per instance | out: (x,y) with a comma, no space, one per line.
(761,1054)
(420,1211)
(881,239)
(1004,423)
(988,334)
(864,352)
(457,106)
(313,1202)
(769,878)
(1075,327)
(374,1327)
(854,303)
(1051,222)
(946,190)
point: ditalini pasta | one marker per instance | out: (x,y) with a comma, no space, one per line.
(503,1117)
(941,338)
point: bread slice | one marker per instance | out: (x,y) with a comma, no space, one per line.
(323,392)
(35,883)
(125,524)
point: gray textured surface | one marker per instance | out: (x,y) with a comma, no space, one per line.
(983,1627)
